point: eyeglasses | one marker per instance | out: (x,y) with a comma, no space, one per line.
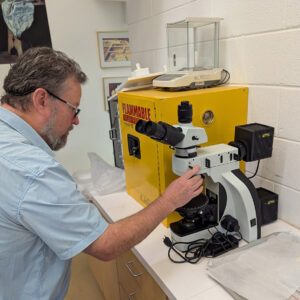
(77,110)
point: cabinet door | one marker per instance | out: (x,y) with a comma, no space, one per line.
(106,276)
(125,295)
(135,282)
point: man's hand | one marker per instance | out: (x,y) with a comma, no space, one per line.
(183,189)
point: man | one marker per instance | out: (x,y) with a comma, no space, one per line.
(44,219)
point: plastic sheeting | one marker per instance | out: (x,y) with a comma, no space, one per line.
(102,177)
(265,269)
(106,178)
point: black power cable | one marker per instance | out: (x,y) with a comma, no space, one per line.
(223,80)
(218,244)
(255,170)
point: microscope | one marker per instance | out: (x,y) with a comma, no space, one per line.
(230,201)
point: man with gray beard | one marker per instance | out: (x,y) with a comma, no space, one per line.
(44,219)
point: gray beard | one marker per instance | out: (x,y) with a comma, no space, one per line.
(53,141)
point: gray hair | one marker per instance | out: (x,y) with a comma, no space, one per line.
(40,67)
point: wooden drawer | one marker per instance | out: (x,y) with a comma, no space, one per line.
(124,295)
(125,278)
(135,282)
(106,276)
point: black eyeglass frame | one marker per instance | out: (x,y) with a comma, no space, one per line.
(77,110)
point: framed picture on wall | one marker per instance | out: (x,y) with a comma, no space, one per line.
(109,87)
(23,25)
(114,49)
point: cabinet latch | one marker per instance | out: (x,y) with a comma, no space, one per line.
(134,146)
(113,134)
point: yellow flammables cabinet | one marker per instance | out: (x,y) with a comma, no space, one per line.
(148,164)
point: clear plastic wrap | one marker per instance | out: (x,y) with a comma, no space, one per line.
(106,179)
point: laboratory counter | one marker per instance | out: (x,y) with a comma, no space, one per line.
(177,281)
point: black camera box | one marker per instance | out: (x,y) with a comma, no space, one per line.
(257,138)
(269,205)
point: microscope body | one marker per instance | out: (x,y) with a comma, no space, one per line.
(228,192)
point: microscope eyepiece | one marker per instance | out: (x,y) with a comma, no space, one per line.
(161,132)
(155,130)
(185,112)
(140,126)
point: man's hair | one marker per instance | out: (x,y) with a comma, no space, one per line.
(40,67)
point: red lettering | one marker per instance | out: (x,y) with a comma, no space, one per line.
(132,113)
(135,110)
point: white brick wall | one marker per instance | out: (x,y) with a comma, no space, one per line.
(260,46)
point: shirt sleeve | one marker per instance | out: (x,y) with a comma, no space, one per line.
(53,209)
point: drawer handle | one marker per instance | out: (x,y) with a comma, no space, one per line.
(130,295)
(131,272)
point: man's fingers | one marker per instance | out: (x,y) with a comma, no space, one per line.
(196,179)
(197,183)
(197,191)
(188,174)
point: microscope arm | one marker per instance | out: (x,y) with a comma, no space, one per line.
(241,201)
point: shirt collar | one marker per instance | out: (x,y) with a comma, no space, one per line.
(24,129)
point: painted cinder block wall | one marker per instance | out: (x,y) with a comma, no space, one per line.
(260,47)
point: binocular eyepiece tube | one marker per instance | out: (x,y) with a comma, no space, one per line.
(161,132)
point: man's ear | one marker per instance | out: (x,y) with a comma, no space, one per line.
(41,102)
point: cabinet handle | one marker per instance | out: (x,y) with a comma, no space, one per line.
(130,295)
(131,272)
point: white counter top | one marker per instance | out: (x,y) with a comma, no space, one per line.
(178,281)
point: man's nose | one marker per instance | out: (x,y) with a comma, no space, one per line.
(75,121)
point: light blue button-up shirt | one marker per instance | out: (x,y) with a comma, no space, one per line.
(44,219)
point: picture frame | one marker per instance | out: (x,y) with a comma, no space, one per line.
(109,86)
(114,50)
(24,24)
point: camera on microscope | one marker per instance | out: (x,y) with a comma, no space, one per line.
(254,141)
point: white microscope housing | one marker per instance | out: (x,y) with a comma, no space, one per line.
(227,190)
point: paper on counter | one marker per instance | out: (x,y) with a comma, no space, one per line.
(268,268)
